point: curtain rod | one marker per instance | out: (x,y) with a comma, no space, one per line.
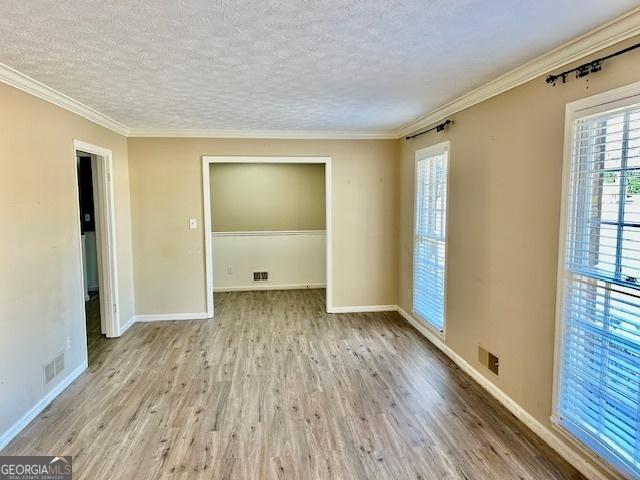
(437,128)
(589,67)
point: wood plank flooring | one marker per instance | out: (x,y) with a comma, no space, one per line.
(275,388)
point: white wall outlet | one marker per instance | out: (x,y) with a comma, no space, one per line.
(193,223)
(230,270)
(68,343)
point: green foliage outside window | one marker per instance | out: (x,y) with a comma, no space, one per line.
(609,177)
(633,181)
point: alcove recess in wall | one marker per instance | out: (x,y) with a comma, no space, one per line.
(488,360)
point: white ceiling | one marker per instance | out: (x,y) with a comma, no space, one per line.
(281,65)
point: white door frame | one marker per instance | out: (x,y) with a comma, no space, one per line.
(207,160)
(104,211)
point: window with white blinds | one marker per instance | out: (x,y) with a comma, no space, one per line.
(598,388)
(430,235)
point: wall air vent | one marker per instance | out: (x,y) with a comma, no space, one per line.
(489,360)
(49,371)
(59,363)
(53,368)
(260,276)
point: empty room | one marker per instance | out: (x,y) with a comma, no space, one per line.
(325,239)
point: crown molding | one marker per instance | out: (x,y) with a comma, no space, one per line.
(615,31)
(272,134)
(27,84)
(23,82)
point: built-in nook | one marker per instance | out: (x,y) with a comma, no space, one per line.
(267,223)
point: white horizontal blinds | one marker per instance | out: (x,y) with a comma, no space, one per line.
(599,399)
(430,239)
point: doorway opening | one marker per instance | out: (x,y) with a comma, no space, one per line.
(267,224)
(97,241)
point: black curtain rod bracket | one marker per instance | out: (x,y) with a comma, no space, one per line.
(587,68)
(437,128)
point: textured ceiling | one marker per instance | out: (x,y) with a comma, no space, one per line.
(281,65)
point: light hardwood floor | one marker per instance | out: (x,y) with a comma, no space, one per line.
(275,388)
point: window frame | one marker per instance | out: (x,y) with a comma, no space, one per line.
(422,154)
(613,99)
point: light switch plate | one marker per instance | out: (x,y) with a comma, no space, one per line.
(193,223)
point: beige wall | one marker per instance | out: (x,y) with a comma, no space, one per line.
(506,161)
(166,190)
(505,187)
(41,295)
(251,196)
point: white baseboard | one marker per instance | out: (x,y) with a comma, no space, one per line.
(17,427)
(363,309)
(546,434)
(250,288)
(162,317)
(126,326)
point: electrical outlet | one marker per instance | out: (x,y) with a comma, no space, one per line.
(193,223)
(68,343)
(230,270)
